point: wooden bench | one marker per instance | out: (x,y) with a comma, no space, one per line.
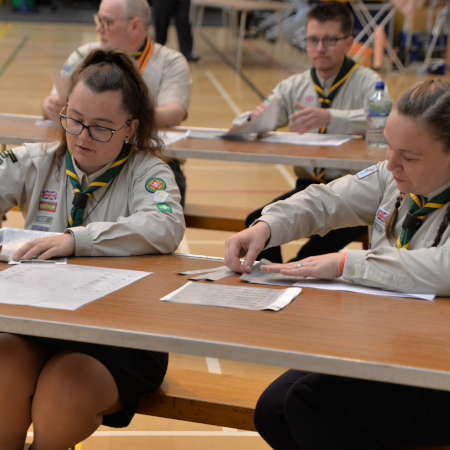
(228,218)
(203,397)
(213,399)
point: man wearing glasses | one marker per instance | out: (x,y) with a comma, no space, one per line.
(124,24)
(329,98)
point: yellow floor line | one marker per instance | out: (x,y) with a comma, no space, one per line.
(5,30)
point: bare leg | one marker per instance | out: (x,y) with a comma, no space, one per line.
(21,362)
(74,391)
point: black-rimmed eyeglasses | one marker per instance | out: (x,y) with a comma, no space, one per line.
(100,134)
(327,41)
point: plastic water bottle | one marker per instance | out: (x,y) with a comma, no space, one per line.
(378,108)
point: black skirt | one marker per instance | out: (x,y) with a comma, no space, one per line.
(136,372)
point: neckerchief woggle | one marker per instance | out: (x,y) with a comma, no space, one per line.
(143,53)
(81,197)
(416,214)
(325,101)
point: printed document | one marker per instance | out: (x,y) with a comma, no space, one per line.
(61,286)
(332,140)
(233,296)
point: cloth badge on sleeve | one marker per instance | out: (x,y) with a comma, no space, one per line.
(66,68)
(40,228)
(369,171)
(378,227)
(49,195)
(310,98)
(164,207)
(155,184)
(382,215)
(47,206)
(160,196)
(47,220)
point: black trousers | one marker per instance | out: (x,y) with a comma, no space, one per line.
(163,10)
(310,411)
(180,179)
(317,245)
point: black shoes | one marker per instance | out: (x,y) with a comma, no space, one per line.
(192,57)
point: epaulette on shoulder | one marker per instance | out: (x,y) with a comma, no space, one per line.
(8,154)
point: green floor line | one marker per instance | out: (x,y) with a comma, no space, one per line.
(13,55)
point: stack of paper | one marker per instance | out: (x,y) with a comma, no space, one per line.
(11,239)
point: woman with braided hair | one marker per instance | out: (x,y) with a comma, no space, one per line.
(105,189)
(407,201)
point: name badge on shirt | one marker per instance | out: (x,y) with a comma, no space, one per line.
(366,172)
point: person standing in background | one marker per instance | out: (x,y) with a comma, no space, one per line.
(163,10)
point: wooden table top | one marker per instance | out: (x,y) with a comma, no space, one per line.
(353,155)
(399,340)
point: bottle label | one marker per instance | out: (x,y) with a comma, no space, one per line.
(378,114)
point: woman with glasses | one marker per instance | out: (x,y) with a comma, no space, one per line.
(104,188)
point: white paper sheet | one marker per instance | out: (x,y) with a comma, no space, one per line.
(266,121)
(332,140)
(11,239)
(170,137)
(342,285)
(233,296)
(46,123)
(257,276)
(61,286)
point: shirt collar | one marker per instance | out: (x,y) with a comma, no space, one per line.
(86,180)
(326,84)
(437,191)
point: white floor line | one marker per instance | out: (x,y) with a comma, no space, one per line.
(232,433)
(287,175)
(213,365)
(222,91)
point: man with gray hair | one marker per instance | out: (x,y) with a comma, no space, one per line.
(124,24)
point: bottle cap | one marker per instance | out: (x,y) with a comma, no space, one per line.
(379,86)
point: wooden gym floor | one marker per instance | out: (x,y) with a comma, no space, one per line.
(30,52)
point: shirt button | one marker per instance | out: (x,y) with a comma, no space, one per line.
(352,272)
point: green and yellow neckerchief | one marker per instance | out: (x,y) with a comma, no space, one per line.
(143,53)
(81,197)
(325,101)
(416,214)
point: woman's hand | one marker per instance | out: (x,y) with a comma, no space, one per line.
(48,247)
(248,243)
(322,266)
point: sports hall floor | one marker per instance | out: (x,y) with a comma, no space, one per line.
(30,51)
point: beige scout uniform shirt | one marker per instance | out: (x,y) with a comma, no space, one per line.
(166,74)
(137,213)
(348,114)
(367,199)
